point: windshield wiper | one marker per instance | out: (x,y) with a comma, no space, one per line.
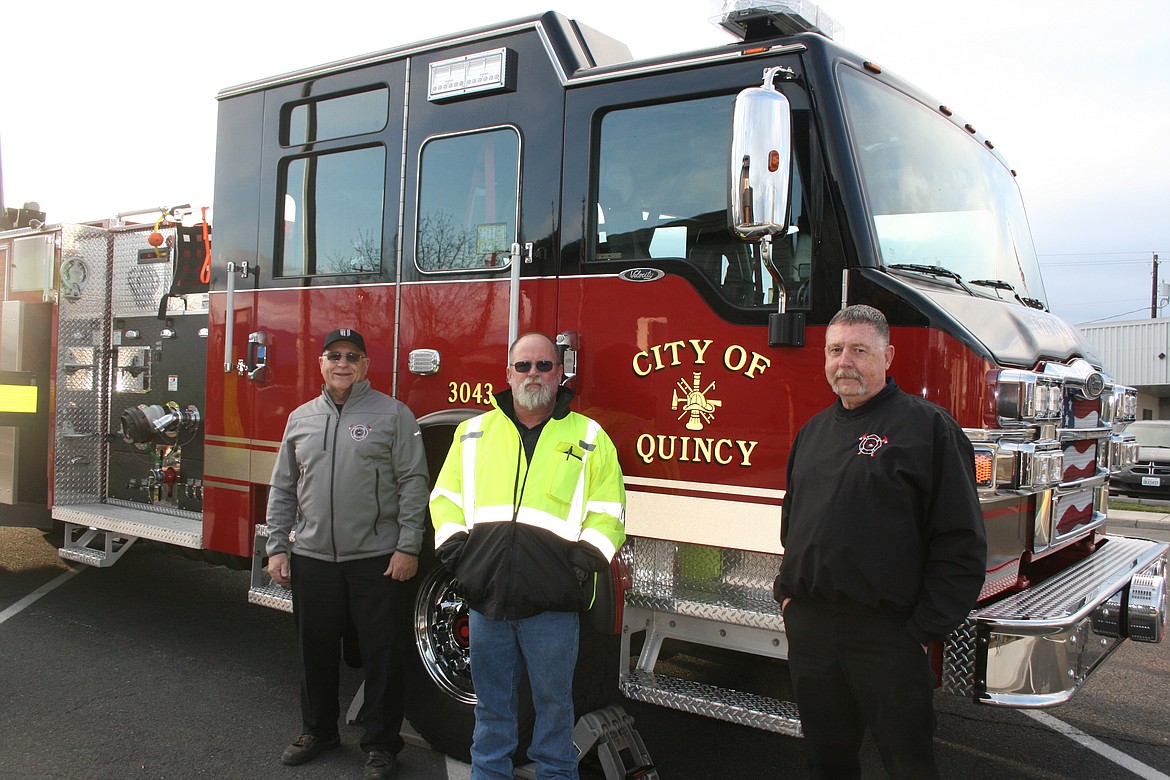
(934,270)
(1000,284)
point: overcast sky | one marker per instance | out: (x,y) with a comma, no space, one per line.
(108,107)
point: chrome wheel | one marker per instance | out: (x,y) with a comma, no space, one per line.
(441,633)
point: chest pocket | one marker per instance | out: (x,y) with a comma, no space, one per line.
(569,461)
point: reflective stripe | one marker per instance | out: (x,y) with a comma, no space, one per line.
(502,513)
(577,505)
(450,495)
(611,508)
(600,541)
(497,513)
(446,531)
(553,524)
(471,436)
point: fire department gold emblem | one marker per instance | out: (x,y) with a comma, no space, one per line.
(694,401)
(696,406)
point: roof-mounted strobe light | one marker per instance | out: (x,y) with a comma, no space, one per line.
(756,20)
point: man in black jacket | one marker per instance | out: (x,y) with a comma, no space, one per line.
(884,553)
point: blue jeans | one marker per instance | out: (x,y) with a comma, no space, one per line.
(547,644)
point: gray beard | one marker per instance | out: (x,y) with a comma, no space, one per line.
(533,397)
(862,388)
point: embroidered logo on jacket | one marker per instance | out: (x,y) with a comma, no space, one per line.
(870,443)
(359,431)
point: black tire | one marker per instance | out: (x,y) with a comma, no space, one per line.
(440,697)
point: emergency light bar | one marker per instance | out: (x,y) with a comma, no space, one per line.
(753,20)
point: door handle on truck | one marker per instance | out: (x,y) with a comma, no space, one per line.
(256,365)
(229,319)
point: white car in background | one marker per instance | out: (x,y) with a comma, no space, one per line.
(1149,477)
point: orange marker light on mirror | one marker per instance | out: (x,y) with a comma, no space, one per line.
(773,161)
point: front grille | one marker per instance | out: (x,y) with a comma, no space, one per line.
(1080,460)
(1085,412)
(1073,511)
(1152,469)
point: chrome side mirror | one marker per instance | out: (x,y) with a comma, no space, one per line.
(761,155)
(761,169)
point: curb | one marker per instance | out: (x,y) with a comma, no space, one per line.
(1119,519)
(1158,524)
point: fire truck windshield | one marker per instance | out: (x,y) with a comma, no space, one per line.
(936,196)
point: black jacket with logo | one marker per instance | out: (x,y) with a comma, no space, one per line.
(881,511)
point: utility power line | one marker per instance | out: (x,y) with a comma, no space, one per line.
(1096,254)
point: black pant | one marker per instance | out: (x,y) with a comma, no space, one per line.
(326,596)
(852,668)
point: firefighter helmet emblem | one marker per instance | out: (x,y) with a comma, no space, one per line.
(870,443)
(696,406)
(359,432)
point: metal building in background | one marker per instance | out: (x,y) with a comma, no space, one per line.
(1138,352)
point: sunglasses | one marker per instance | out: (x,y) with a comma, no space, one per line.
(352,357)
(543,366)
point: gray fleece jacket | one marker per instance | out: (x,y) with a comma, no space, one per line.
(349,485)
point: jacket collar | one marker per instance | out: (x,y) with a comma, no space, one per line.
(504,402)
(355,392)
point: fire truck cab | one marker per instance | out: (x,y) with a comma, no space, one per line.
(685,227)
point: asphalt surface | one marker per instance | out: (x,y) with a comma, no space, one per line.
(159,668)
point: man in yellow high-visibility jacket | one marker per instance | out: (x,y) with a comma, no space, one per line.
(528,508)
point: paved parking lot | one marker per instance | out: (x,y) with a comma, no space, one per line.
(159,668)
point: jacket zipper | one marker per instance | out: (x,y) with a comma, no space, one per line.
(332,482)
(517,500)
(377,499)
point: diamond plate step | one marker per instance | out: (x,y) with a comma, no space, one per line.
(183,529)
(86,555)
(1076,592)
(745,709)
(273,596)
(261,590)
(735,606)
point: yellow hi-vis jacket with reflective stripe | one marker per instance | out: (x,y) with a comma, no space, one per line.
(523,518)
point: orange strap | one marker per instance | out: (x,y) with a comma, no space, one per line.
(205,271)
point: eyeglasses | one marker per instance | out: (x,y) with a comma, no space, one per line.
(543,366)
(352,357)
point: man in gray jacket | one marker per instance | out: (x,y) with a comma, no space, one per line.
(348,500)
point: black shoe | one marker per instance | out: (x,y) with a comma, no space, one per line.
(306,747)
(380,765)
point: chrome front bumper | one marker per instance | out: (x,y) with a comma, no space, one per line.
(1036,648)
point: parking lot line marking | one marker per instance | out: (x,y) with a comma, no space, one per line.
(36,594)
(457,770)
(1097,746)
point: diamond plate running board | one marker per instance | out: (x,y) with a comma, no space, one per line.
(745,709)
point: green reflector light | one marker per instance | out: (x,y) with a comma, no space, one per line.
(18,398)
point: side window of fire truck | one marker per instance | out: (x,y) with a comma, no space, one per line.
(332,205)
(468,195)
(662,177)
(332,213)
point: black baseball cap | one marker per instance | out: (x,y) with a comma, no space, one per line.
(344,334)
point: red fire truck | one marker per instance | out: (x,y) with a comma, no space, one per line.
(686,226)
